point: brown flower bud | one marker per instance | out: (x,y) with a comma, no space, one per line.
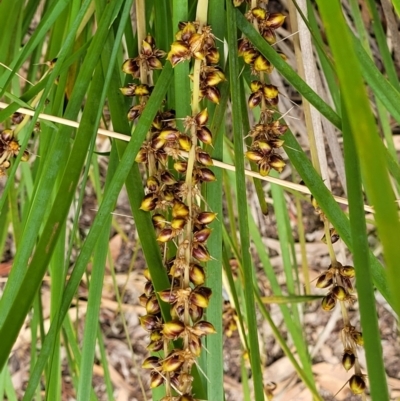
(254,99)
(155,346)
(199,300)
(177,311)
(278,128)
(214,78)
(276,162)
(261,64)
(259,13)
(152,184)
(324,280)
(143,299)
(154,63)
(128,90)
(212,56)
(25,156)
(178,223)
(184,142)
(141,157)
(195,346)
(202,235)
(255,86)
(152,306)
(179,52)
(167,178)
(270,91)
(358,338)
(173,329)
(201,253)
(148,288)
(196,41)
(328,302)
(203,328)
(204,135)
(130,67)
(347,271)
(195,312)
(17,118)
(172,363)
(269,35)
(264,168)
(156,335)
(243,46)
(206,175)
(168,195)
(187,29)
(149,322)
(149,203)
(157,143)
(200,297)
(357,384)
(339,292)
(168,296)
(250,55)
(254,155)
(156,379)
(276,143)
(152,362)
(203,157)
(7,135)
(212,94)
(146,274)
(206,217)
(142,90)
(264,146)
(196,274)
(199,54)
(348,359)
(146,48)
(166,235)
(275,20)
(134,112)
(170,134)
(180,210)
(180,166)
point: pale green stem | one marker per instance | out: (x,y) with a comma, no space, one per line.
(141,35)
(201,17)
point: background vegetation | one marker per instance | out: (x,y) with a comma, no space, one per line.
(61,68)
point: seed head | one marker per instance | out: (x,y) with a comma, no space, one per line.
(348,359)
(275,20)
(277,163)
(196,274)
(206,217)
(259,13)
(339,292)
(149,202)
(173,329)
(328,302)
(357,384)
(261,64)
(204,135)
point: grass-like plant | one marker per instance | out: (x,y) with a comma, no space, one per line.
(194,98)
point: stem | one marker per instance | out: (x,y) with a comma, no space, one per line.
(329,240)
(141,35)
(201,17)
